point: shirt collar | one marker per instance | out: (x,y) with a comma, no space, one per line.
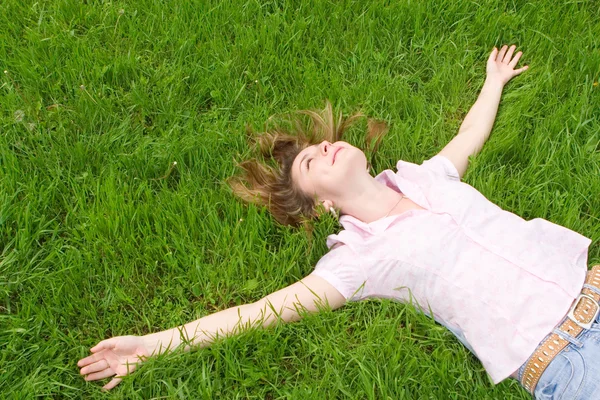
(388,178)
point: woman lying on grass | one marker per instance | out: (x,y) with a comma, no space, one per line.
(509,289)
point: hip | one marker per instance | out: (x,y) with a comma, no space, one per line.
(566,364)
(574,373)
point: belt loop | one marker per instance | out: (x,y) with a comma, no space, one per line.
(592,288)
(567,337)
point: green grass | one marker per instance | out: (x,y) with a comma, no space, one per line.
(98,100)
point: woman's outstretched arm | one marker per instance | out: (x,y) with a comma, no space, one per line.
(120,355)
(477,125)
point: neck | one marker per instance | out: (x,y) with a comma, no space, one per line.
(369,201)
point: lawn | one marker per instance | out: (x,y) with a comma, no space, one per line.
(100,235)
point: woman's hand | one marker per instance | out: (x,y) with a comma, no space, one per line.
(117,356)
(500,67)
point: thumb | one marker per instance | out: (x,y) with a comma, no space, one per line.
(493,55)
(114,382)
(518,71)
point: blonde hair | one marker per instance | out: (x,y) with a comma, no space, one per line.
(264,185)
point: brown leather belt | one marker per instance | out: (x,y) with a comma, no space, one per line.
(582,314)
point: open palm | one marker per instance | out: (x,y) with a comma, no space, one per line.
(116,356)
(501,64)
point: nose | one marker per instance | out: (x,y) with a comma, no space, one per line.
(324,147)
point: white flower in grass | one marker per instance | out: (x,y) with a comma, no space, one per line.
(19,115)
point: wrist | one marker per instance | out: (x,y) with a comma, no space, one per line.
(494,83)
(160,342)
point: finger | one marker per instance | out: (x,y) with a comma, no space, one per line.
(114,382)
(95,367)
(502,53)
(509,54)
(105,344)
(100,375)
(515,60)
(90,359)
(493,55)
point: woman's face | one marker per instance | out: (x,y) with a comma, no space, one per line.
(324,170)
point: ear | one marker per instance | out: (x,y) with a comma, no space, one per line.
(323,207)
(327,204)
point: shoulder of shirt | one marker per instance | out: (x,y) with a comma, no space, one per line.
(343,251)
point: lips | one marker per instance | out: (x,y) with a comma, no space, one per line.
(335,154)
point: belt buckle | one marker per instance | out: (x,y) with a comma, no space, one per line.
(571,315)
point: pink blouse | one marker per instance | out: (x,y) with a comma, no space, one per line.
(498,282)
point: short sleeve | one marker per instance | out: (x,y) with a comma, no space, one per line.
(340,268)
(442,167)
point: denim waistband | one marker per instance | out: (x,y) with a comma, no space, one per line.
(572,341)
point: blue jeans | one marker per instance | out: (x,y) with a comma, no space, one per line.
(575,372)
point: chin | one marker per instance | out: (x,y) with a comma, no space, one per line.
(359,159)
